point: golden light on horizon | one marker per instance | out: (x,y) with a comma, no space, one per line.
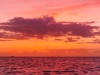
(70,28)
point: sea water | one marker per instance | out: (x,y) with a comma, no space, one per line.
(49,65)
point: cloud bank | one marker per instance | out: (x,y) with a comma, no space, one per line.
(46,26)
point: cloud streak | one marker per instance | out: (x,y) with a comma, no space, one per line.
(95,41)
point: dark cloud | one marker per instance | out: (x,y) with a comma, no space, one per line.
(97,33)
(71,39)
(96,41)
(77,38)
(58,39)
(25,28)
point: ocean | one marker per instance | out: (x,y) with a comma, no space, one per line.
(49,65)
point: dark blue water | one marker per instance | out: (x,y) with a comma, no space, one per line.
(49,65)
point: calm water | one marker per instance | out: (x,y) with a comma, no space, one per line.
(49,66)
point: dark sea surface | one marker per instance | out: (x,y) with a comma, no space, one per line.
(49,65)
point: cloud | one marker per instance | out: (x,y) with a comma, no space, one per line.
(71,39)
(75,9)
(97,33)
(71,8)
(83,5)
(58,39)
(25,28)
(95,41)
(6,40)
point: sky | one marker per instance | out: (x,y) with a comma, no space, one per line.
(49,28)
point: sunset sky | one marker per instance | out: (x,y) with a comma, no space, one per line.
(50,28)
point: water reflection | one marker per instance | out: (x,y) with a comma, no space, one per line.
(49,66)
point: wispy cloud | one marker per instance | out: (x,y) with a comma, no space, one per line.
(95,41)
(6,40)
(75,8)
(71,39)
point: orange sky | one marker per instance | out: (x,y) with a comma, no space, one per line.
(27,28)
